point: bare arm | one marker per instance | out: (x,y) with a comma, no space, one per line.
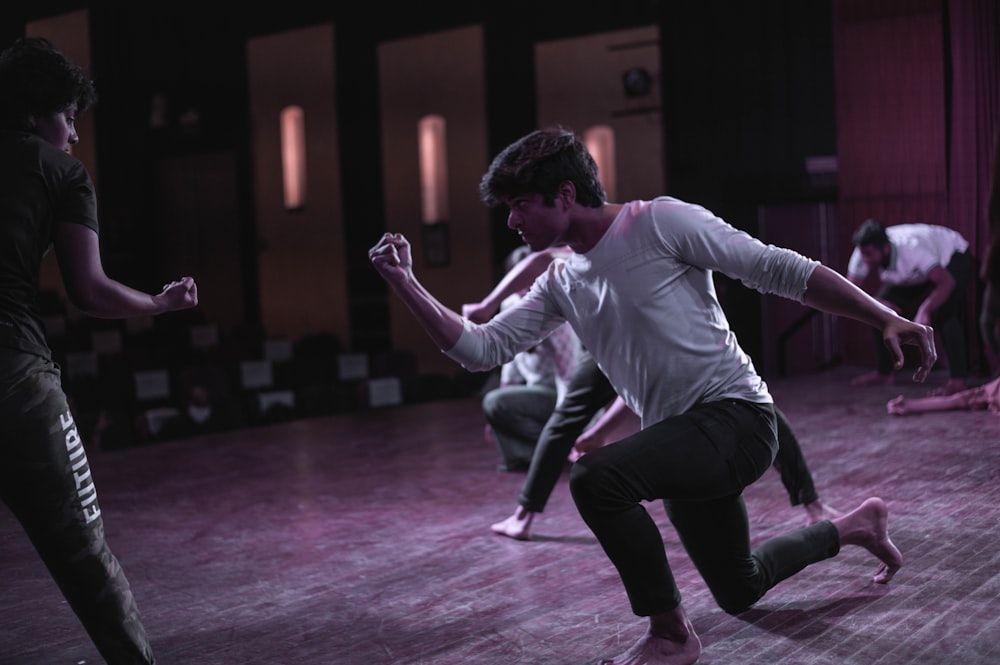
(95,294)
(831,292)
(392,258)
(970,399)
(517,279)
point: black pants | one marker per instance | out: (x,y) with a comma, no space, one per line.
(698,463)
(791,465)
(46,482)
(589,391)
(946,319)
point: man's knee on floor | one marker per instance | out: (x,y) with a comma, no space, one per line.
(734,604)
(737,598)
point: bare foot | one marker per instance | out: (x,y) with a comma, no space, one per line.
(897,406)
(517,526)
(868,526)
(817,511)
(677,645)
(950,388)
(873,379)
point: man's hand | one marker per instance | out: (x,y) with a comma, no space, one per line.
(587,442)
(477,312)
(899,331)
(392,258)
(180,294)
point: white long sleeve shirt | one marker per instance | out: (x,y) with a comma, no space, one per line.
(916,250)
(643,302)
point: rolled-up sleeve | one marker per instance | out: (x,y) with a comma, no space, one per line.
(781,271)
(467,351)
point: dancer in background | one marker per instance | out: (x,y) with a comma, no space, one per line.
(532,385)
(587,392)
(47,201)
(921,267)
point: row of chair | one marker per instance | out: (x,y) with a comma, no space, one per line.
(136,382)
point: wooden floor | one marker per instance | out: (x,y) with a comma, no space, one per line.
(364,538)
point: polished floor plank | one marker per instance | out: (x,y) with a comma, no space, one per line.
(364,538)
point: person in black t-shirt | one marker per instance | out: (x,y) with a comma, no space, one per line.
(47,201)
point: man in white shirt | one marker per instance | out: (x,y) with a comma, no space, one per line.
(638,291)
(923,270)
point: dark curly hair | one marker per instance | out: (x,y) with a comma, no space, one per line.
(871,232)
(539,163)
(38,79)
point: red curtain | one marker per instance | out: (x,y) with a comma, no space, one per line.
(917,109)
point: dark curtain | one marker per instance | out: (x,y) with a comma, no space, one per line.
(917,110)
(973,29)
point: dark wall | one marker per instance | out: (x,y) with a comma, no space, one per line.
(748,94)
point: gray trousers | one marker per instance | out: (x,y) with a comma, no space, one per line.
(517,414)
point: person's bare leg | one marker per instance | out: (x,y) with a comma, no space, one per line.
(873,379)
(817,511)
(669,640)
(517,526)
(867,526)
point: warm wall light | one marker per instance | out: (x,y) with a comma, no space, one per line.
(293,156)
(433,169)
(600,141)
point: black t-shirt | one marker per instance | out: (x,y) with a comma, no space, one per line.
(40,186)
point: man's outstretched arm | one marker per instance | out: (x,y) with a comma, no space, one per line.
(831,292)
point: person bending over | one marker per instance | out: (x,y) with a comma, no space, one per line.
(921,266)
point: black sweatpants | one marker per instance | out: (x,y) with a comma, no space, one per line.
(46,482)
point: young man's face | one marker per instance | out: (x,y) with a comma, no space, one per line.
(875,256)
(540,226)
(59,128)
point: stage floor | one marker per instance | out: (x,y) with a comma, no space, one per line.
(364,538)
